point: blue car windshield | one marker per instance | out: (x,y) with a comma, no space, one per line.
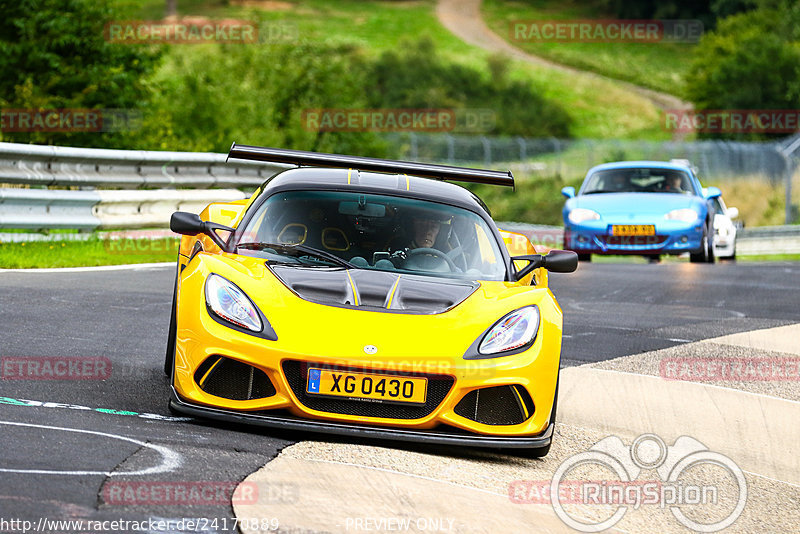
(369,231)
(638,180)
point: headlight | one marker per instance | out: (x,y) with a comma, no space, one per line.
(684,215)
(230,303)
(513,331)
(578,215)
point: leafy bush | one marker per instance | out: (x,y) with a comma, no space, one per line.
(416,76)
(53,55)
(208,96)
(750,62)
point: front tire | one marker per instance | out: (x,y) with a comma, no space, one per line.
(706,252)
(169,357)
(584,257)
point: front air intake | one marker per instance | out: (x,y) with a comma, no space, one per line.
(232,379)
(501,405)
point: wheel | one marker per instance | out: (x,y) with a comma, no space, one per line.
(654,258)
(169,358)
(710,257)
(706,252)
(415,262)
(584,257)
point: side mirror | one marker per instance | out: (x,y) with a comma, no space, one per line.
(568,191)
(556,261)
(186,223)
(711,192)
(732,212)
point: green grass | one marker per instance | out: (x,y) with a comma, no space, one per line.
(92,252)
(599,109)
(659,66)
(770,257)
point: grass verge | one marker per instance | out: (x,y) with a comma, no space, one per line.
(599,108)
(659,66)
(89,253)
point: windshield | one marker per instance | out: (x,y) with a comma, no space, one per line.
(386,233)
(643,180)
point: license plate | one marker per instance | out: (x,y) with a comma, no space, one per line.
(633,229)
(368,387)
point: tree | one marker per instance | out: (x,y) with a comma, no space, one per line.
(54,55)
(749,62)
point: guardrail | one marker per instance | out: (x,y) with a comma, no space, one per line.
(128,179)
(49,166)
(129,200)
(756,241)
(768,240)
(44,209)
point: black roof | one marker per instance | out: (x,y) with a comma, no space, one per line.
(333,179)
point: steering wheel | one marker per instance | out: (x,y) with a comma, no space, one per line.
(431,252)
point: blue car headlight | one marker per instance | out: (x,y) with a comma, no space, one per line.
(578,215)
(684,215)
(513,331)
(230,303)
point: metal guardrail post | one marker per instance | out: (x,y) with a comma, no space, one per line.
(788,157)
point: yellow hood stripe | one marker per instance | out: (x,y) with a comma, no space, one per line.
(389,298)
(354,288)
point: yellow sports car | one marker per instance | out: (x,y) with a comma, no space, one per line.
(359,296)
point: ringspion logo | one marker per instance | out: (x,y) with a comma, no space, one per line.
(693,481)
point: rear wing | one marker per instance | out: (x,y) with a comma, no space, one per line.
(319,159)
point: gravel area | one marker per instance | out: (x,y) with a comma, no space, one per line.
(776,376)
(506,483)
(771,506)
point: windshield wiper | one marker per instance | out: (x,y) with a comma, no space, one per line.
(294,249)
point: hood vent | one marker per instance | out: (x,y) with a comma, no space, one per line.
(375,290)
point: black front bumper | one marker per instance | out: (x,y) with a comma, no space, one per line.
(348,429)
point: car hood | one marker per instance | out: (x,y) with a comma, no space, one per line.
(634,203)
(307,328)
(375,290)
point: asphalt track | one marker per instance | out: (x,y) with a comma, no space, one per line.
(56,459)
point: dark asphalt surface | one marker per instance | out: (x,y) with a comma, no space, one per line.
(49,472)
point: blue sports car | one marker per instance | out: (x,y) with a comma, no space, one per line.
(640,207)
